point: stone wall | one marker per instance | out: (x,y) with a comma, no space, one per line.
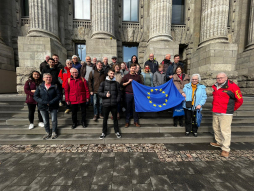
(8,81)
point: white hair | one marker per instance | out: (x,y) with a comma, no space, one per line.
(68,60)
(222,73)
(46,74)
(199,77)
(74,56)
(73,69)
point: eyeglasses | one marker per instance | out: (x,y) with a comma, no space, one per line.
(194,79)
(220,78)
(74,72)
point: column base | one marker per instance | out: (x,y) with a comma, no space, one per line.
(160,49)
(219,39)
(102,35)
(42,33)
(100,48)
(162,37)
(32,52)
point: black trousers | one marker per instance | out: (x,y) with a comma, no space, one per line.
(113,110)
(31,111)
(178,118)
(130,104)
(190,121)
(75,112)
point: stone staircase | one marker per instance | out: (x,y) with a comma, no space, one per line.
(155,127)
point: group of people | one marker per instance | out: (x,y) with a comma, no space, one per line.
(108,88)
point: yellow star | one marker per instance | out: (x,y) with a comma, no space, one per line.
(163,92)
(160,89)
(150,101)
(160,106)
(148,93)
(148,97)
(154,105)
(166,95)
(151,90)
(166,100)
(156,89)
(164,104)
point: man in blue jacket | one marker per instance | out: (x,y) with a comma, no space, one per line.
(76,63)
(172,67)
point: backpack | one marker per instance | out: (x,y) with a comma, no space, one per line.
(69,80)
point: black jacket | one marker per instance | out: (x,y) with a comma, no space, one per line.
(43,97)
(114,89)
(153,65)
(170,70)
(106,69)
(54,72)
(43,65)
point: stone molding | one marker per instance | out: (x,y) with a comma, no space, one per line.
(251,28)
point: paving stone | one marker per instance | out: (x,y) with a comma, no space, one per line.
(51,171)
(140,176)
(180,187)
(138,162)
(161,183)
(122,168)
(222,186)
(106,163)
(219,167)
(92,157)
(15,188)
(83,183)
(143,187)
(87,169)
(156,168)
(32,158)
(40,183)
(58,188)
(121,183)
(101,188)
(23,180)
(5,181)
(65,177)
(103,177)
(237,182)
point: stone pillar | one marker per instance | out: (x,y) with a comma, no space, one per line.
(103,19)
(160,20)
(43,18)
(251,27)
(214,21)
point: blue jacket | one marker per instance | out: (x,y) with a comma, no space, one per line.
(200,95)
(144,76)
(170,70)
(43,97)
(77,66)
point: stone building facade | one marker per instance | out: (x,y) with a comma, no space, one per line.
(215,36)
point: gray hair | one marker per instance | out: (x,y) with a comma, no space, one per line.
(73,69)
(222,73)
(199,77)
(46,74)
(74,56)
(68,60)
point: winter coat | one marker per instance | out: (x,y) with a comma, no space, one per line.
(159,78)
(166,64)
(54,72)
(124,72)
(200,95)
(85,70)
(64,75)
(77,66)
(170,70)
(95,79)
(153,65)
(43,65)
(51,96)
(113,87)
(180,83)
(77,91)
(30,85)
(59,66)
(144,77)
(227,99)
(106,69)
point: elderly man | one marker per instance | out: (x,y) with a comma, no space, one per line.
(45,63)
(114,61)
(106,66)
(75,63)
(77,93)
(94,61)
(166,62)
(227,98)
(86,68)
(152,63)
(172,67)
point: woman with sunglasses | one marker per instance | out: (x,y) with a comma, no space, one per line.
(148,76)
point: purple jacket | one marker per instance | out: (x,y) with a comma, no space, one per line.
(30,85)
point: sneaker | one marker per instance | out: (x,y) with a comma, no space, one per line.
(60,104)
(54,135)
(101,117)
(187,134)
(95,118)
(224,154)
(215,145)
(102,136)
(31,126)
(195,134)
(118,135)
(47,136)
(67,111)
(41,124)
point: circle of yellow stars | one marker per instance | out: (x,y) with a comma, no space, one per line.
(151,102)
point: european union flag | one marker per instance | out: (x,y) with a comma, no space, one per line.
(153,99)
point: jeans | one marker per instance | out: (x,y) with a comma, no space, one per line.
(75,112)
(45,117)
(130,103)
(113,110)
(190,121)
(97,104)
(31,110)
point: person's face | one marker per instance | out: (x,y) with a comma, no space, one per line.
(75,59)
(178,71)
(133,69)
(69,64)
(194,80)
(151,57)
(47,79)
(134,59)
(74,73)
(123,66)
(36,76)
(160,69)
(137,69)
(147,69)
(117,69)
(114,60)
(99,66)
(51,63)
(56,59)
(105,60)
(94,60)
(176,59)
(111,74)
(221,78)
(88,59)
(168,57)
(47,58)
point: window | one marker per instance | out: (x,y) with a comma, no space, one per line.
(130,10)
(128,52)
(24,8)
(178,12)
(81,51)
(82,9)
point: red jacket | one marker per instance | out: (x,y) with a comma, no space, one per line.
(64,75)
(30,85)
(77,92)
(227,99)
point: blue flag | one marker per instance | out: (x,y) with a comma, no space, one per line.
(153,99)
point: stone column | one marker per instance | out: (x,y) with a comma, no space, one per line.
(43,18)
(103,19)
(251,27)
(214,19)
(160,20)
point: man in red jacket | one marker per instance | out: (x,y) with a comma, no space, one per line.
(77,93)
(227,98)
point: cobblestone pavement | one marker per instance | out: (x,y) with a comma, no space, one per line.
(125,167)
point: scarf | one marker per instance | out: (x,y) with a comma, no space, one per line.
(194,87)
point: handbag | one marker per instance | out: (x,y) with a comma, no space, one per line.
(188,104)
(178,110)
(198,117)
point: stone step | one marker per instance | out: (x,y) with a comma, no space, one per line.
(126,138)
(65,120)
(63,129)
